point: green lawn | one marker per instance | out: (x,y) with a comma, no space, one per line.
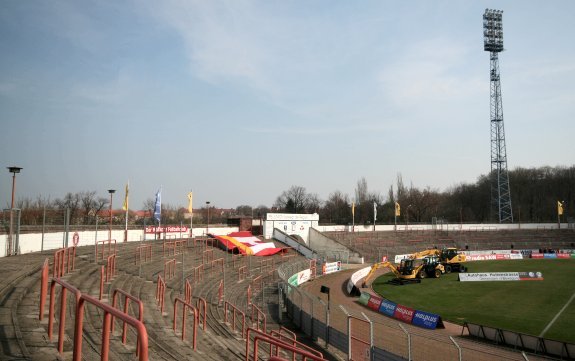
(521,306)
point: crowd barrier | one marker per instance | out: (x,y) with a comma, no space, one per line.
(537,345)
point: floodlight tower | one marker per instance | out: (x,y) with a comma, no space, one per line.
(500,191)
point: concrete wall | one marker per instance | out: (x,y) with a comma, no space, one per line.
(35,242)
(330,249)
(439,227)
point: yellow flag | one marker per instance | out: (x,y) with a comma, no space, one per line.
(353,209)
(125,206)
(559,208)
(397,209)
(190,209)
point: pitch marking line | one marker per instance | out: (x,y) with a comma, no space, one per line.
(557,316)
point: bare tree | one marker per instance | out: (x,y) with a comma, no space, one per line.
(294,200)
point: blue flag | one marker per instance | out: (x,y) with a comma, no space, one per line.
(158,206)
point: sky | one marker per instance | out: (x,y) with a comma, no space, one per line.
(240,100)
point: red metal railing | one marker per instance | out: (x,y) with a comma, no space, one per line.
(290,340)
(242,273)
(64,261)
(161,293)
(202,305)
(198,273)
(102,276)
(266,263)
(208,256)
(238,259)
(257,284)
(62,323)
(221,292)
(110,267)
(45,274)
(127,298)
(280,344)
(235,311)
(259,335)
(184,313)
(109,311)
(169,269)
(102,247)
(188,291)
(143,252)
(259,317)
(219,261)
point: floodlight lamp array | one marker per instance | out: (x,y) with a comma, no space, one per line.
(493,30)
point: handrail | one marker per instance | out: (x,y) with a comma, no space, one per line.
(102,273)
(110,267)
(199,273)
(242,273)
(127,298)
(281,344)
(184,313)
(104,242)
(306,355)
(293,341)
(58,270)
(221,292)
(161,293)
(62,323)
(188,291)
(234,311)
(147,250)
(45,274)
(220,261)
(109,311)
(201,304)
(263,318)
(207,256)
(170,266)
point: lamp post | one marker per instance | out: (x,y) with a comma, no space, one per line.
(208,226)
(407,217)
(111,191)
(12,170)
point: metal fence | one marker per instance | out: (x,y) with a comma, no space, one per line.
(392,340)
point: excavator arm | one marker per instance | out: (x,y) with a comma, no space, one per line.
(377,266)
(422,254)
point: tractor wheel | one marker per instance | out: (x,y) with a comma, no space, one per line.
(422,274)
(447,268)
(437,273)
(462,268)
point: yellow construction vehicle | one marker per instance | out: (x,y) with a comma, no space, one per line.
(450,258)
(409,270)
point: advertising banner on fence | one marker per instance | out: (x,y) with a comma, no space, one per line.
(500,276)
(387,308)
(166,229)
(364,298)
(300,277)
(331,267)
(374,303)
(403,313)
(494,257)
(426,320)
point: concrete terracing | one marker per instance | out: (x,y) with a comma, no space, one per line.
(24,337)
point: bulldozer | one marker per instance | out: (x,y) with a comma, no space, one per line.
(450,258)
(409,270)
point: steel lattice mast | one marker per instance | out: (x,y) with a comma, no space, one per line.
(500,190)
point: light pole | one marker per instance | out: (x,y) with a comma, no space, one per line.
(12,170)
(111,191)
(208,226)
(407,217)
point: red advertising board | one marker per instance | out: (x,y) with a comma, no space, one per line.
(374,303)
(536,255)
(166,229)
(403,313)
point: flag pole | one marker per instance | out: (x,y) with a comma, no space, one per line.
(126,207)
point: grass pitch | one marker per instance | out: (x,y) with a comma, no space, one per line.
(520,306)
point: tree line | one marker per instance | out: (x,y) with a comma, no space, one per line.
(534,196)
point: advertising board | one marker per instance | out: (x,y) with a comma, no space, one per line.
(500,276)
(331,267)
